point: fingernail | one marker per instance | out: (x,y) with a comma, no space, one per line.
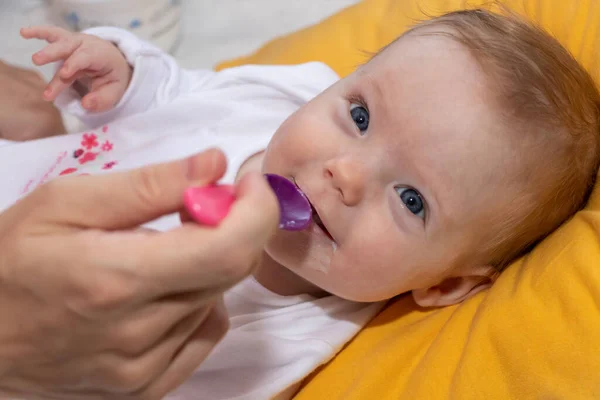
(213,159)
(188,166)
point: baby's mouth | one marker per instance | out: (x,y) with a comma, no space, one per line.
(315,215)
(317,220)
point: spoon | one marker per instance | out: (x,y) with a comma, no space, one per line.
(208,205)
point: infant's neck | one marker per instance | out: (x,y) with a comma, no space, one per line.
(278,279)
(270,274)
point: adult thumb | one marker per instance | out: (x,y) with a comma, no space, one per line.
(127,199)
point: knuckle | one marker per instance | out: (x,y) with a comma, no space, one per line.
(66,49)
(52,327)
(82,52)
(76,38)
(88,44)
(101,292)
(150,393)
(108,296)
(128,338)
(146,186)
(239,263)
(73,41)
(221,324)
(130,376)
(85,37)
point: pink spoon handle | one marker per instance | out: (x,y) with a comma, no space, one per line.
(208,205)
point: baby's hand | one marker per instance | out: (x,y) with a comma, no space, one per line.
(98,69)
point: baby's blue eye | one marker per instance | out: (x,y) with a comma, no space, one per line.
(360,116)
(412,200)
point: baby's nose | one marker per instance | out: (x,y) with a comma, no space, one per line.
(348,176)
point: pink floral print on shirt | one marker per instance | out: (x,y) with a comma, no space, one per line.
(68,171)
(87,157)
(109,165)
(88,148)
(89,141)
(107,146)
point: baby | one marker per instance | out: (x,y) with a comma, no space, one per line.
(449,154)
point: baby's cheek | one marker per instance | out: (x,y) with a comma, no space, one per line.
(282,149)
(347,276)
(308,131)
(371,271)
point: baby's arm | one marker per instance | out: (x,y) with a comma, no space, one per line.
(95,68)
(156,78)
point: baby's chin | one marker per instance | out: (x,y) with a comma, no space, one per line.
(295,274)
(310,266)
(299,250)
(331,270)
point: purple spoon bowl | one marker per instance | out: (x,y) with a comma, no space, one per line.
(296,211)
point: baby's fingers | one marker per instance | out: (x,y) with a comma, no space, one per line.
(103,97)
(72,69)
(57,85)
(56,51)
(79,61)
(50,34)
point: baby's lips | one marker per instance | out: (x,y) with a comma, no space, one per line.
(208,205)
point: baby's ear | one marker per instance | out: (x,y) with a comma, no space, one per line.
(456,289)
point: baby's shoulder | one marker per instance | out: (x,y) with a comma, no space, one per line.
(304,80)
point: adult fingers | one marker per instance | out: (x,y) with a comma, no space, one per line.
(194,352)
(255,214)
(128,268)
(143,328)
(201,258)
(122,200)
(119,374)
(124,269)
(162,369)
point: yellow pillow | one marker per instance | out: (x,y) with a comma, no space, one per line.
(536,332)
(345,40)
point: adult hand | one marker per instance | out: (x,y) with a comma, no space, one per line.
(92,308)
(24,114)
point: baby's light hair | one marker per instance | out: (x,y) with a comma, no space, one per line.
(551,107)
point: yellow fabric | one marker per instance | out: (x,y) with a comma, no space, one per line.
(345,40)
(536,333)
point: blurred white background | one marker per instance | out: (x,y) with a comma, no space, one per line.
(211,30)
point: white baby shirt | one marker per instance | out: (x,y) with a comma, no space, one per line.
(168,113)
(273,343)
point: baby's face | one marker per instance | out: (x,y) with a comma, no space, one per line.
(404,161)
